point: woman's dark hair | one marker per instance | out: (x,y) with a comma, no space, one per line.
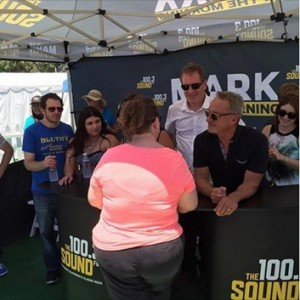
(292,100)
(137,115)
(81,134)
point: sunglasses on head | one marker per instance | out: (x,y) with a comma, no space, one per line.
(53,108)
(194,86)
(290,115)
(216,116)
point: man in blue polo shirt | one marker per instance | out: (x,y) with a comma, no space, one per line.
(234,156)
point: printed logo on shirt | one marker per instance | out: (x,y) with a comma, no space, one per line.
(241,162)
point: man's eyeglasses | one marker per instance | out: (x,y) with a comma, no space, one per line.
(194,86)
(290,115)
(53,108)
(216,116)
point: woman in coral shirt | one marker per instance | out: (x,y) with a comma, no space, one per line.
(140,187)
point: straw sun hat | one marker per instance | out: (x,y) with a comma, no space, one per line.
(95,95)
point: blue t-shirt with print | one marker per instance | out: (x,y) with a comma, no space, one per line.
(43,141)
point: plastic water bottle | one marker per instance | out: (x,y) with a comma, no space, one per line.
(86,166)
(53,174)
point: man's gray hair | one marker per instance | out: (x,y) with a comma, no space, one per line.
(236,102)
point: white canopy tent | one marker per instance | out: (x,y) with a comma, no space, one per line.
(16,91)
(67,30)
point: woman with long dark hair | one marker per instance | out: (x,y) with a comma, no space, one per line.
(91,137)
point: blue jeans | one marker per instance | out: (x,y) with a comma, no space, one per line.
(45,209)
(141,273)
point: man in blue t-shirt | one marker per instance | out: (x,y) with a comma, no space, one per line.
(44,146)
(94,98)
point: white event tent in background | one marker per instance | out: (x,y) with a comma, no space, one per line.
(16,91)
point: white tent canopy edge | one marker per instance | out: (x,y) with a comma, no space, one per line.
(67,30)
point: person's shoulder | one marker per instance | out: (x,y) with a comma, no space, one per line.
(203,138)
(33,126)
(107,112)
(204,135)
(207,100)
(29,119)
(170,155)
(28,122)
(65,125)
(267,130)
(249,129)
(112,138)
(252,134)
(176,105)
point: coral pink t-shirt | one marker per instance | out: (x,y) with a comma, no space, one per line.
(141,188)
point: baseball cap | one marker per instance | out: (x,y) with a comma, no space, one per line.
(35,99)
(95,95)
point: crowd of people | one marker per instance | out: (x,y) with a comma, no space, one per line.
(204,147)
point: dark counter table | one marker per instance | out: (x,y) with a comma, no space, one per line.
(76,219)
(16,214)
(252,254)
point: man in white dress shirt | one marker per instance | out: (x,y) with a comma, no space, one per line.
(185,120)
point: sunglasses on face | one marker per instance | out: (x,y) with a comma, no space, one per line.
(290,115)
(194,86)
(53,108)
(216,116)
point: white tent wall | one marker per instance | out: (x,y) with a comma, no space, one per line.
(16,91)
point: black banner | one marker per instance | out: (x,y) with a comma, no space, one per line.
(255,70)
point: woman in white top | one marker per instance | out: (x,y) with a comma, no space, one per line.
(283,136)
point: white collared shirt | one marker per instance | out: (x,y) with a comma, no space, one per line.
(186,124)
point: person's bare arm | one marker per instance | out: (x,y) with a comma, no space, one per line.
(289,161)
(266,130)
(228,204)
(173,138)
(32,165)
(188,202)
(95,197)
(202,181)
(8,153)
(205,187)
(69,168)
(165,139)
